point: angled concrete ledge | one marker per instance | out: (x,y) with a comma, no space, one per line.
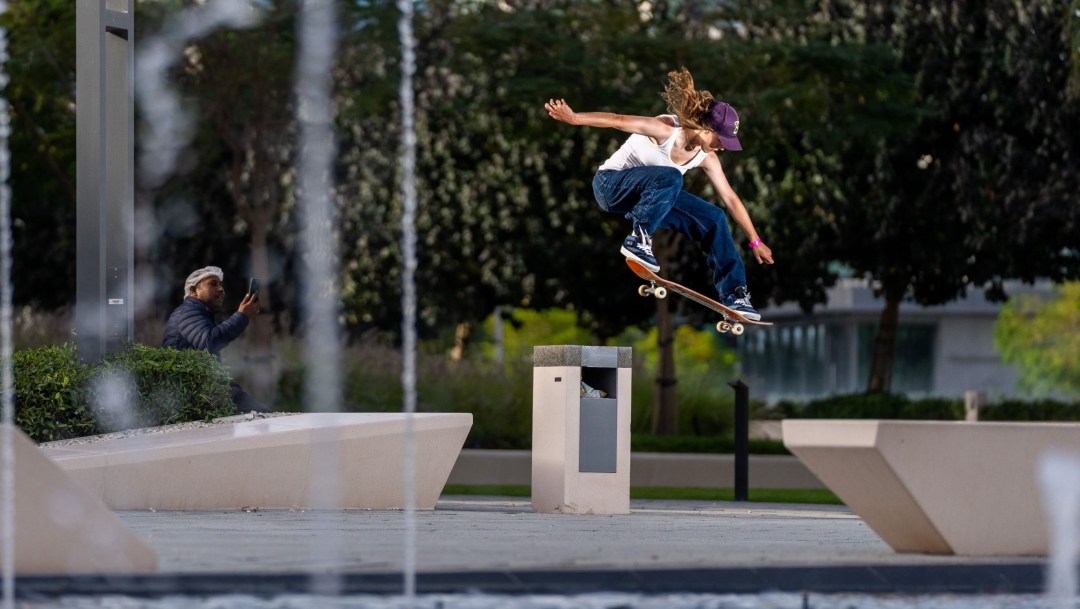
(61,529)
(327,461)
(934,486)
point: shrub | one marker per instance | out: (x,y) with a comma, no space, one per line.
(500,401)
(933,409)
(499,398)
(1038,410)
(49,394)
(523,329)
(703,365)
(886,406)
(702,444)
(1039,337)
(876,406)
(151,386)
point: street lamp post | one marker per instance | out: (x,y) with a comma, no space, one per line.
(105,172)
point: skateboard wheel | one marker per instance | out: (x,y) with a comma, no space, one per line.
(643,290)
(660,292)
(722,326)
(737,329)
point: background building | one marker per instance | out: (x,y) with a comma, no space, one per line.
(941,350)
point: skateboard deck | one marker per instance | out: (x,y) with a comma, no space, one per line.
(658,287)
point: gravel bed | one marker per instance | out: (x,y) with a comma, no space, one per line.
(127,433)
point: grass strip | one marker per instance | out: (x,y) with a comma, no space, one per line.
(757,495)
(495,490)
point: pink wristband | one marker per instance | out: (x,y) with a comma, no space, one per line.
(755,243)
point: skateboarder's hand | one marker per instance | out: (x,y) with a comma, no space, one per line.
(250,305)
(762,253)
(559,110)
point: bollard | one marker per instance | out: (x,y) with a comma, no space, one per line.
(742,434)
(974,401)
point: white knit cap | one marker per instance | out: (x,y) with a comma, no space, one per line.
(194,278)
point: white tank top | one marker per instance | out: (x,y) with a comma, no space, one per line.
(641,151)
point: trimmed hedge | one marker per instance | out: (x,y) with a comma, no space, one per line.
(702,444)
(165,385)
(57,397)
(49,394)
(1037,410)
(895,406)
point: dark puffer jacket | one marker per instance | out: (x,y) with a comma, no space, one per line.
(191,326)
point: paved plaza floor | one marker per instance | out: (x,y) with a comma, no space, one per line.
(499,544)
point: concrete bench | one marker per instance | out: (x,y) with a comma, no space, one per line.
(315,460)
(934,486)
(60,528)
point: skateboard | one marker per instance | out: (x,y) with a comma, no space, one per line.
(658,287)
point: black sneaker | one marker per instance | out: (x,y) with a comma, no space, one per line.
(638,246)
(739,301)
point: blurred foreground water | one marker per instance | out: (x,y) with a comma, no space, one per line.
(583,601)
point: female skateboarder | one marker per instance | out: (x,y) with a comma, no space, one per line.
(643,181)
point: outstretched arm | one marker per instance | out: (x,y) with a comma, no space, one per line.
(735,207)
(653,127)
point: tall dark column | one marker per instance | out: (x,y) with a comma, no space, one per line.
(105,116)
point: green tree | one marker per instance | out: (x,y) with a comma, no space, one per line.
(1042,339)
(819,101)
(704,398)
(933,148)
(982,186)
(507,215)
(237,86)
(1073,28)
(41,94)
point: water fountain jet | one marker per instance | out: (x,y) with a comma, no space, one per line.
(1059,485)
(7,405)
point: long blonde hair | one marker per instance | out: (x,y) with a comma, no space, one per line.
(684,101)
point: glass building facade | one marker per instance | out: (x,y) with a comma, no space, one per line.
(816,358)
(942,350)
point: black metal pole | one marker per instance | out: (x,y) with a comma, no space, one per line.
(742,435)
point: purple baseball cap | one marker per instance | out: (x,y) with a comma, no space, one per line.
(725,122)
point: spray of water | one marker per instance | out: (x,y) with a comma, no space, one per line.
(408,287)
(113,395)
(7,458)
(168,127)
(1059,482)
(317,29)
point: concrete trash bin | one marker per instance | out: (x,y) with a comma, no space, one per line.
(581,443)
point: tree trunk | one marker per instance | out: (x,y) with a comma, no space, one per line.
(666,402)
(498,337)
(461,338)
(149,325)
(881,366)
(665,419)
(261,361)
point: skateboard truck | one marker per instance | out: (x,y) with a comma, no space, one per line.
(724,325)
(652,290)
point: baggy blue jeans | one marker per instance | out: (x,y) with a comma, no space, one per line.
(653,197)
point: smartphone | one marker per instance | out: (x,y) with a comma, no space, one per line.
(253,286)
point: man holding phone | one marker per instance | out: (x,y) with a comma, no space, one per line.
(191,325)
